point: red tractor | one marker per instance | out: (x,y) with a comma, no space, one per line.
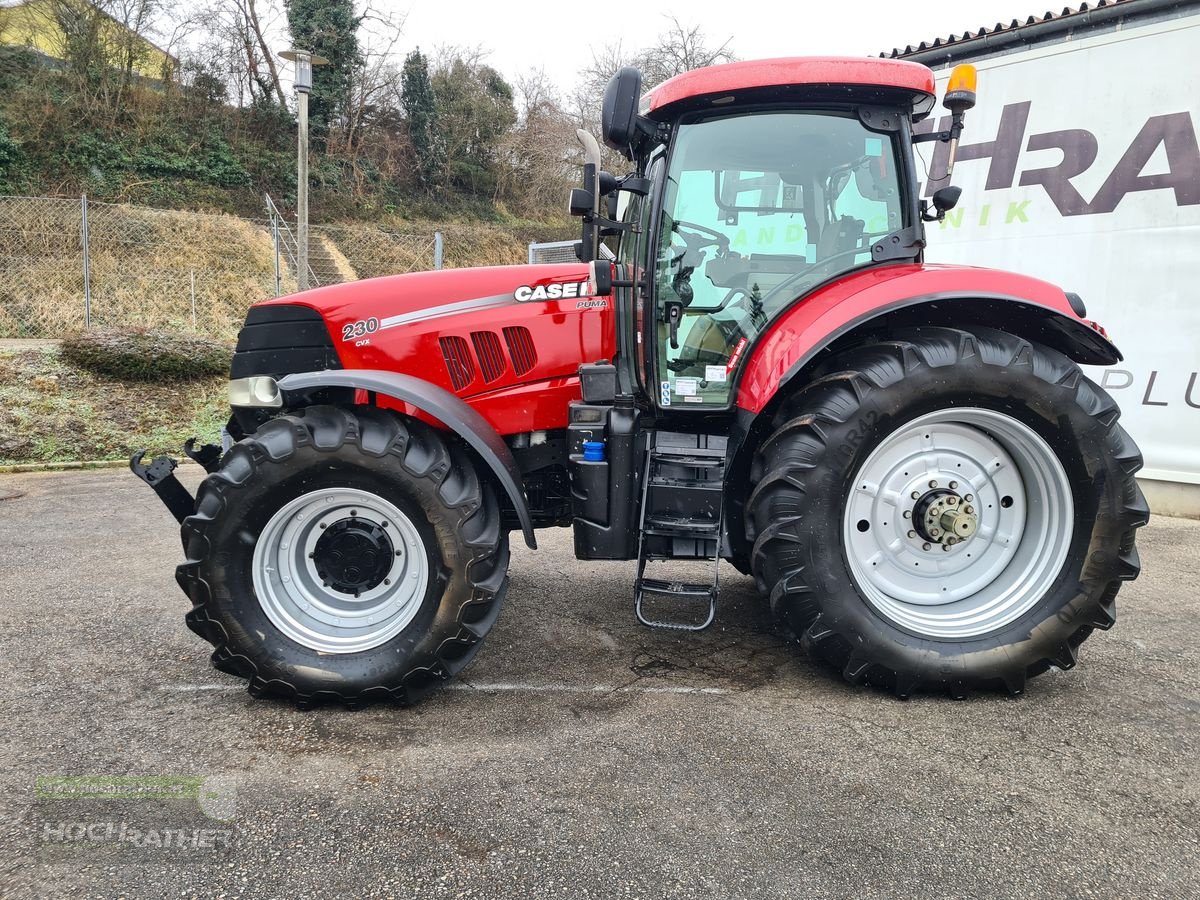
(750,362)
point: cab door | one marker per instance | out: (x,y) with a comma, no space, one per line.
(757,209)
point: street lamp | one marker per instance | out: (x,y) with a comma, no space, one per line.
(303,83)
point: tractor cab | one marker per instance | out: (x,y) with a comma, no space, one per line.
(754,183)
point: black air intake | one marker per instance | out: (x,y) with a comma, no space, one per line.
(457,354)
(279,339)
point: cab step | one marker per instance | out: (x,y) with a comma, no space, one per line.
(707,610)
(681,519)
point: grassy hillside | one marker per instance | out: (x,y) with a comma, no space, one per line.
(148,264)
(51,411)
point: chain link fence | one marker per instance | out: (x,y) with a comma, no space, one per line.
(72,264)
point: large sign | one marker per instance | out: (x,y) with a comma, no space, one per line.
(1081,165)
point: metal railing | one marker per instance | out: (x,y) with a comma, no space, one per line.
(284,240)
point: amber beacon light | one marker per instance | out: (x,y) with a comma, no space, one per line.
(960,96)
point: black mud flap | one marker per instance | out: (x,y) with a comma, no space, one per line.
(160,475)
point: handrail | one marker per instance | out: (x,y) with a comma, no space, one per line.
(290,245)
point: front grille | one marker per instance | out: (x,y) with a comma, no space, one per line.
(457,354)
(282,338)
(491,358)
(520,348)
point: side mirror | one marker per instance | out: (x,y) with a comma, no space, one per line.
(600,278)
(619,114)
(945,199)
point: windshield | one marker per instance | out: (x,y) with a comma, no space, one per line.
(759,208)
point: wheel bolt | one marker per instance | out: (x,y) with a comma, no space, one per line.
(945,546)
(916,495)
(322,524)
(387,581)
(383,524)
(953,485)
(912,534)
(933,484)
(925,546)
(968,498)
(354,512)
(934,532)
(399,552)
(907,514)
(951,501)
(312,556)
(968,508)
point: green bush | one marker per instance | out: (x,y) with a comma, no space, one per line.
(141,354)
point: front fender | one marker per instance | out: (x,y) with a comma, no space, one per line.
(906,295)
(437,403)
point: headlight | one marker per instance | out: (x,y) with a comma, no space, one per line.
(258,391)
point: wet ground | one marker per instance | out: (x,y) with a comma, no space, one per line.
(582,756)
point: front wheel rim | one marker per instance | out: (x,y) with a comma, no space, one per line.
(936,583)
(340,570)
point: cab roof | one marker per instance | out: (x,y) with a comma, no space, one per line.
(819,73)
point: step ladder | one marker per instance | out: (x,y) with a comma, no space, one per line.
(681,519)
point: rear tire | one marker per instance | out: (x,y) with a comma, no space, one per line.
(835,545)
(405,614)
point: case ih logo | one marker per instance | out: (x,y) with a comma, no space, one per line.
(551,291)
(1174,132)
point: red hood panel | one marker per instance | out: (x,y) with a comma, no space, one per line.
(474,332)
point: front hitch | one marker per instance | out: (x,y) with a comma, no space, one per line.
(160,475)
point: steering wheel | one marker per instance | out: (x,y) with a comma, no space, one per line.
(694,243)
(717,237)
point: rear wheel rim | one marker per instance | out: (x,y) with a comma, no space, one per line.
(340,570)
(927,580)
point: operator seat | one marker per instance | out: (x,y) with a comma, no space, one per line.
(710,340)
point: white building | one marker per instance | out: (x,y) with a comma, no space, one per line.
(1081,165)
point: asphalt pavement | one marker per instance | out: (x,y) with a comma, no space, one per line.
(582,755)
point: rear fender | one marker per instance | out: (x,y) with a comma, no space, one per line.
(868,306)
(435,402)
(873,302)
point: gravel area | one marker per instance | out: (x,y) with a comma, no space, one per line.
(582,755)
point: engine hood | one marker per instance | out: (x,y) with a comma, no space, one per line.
(515,335)
(444,292)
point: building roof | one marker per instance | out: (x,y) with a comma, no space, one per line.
(1023,32)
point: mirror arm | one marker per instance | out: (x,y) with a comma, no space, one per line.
(950,134)
(591,177)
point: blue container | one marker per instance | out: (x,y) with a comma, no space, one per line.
(593,451)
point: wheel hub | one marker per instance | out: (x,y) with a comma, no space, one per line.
(353,555)
(945,517)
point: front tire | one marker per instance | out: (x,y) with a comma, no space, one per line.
(898,579)
(344,555)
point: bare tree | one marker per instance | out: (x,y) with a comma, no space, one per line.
(680,48)
(238,35)
(540,153)
(375,81)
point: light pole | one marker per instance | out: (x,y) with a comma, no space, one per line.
(303,84)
